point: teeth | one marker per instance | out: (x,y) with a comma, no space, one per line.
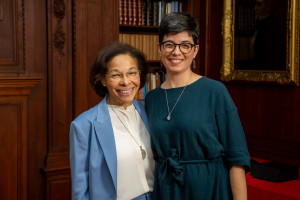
(176,61)
(125,91)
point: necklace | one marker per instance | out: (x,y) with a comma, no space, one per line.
(143,152)
(169,112)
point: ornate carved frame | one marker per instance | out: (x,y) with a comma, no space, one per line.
(288,77)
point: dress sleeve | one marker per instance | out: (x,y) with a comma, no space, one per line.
(79,162)
(231,133)
(232,137)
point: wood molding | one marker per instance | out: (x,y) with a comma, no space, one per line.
(17,86)
(59,8)
(57,160)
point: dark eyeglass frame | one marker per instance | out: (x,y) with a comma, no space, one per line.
(175,44)
(118,76)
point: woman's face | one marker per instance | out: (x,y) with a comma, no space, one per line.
(177,62)
(122,80)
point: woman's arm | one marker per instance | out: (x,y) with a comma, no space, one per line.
(79,162)
(238,182)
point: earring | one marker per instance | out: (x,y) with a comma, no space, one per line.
(194,64)
(161,65)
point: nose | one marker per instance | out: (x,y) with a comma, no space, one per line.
(176,50)
(125,80)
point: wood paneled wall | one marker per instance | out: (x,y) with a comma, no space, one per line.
(23,99)
(52,43)
(46,51)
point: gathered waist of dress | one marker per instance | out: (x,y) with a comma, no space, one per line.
(200,161)
(172,165)
(192,161)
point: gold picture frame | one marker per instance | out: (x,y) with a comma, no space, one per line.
(287,76)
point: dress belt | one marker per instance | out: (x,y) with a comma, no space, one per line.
(174,166)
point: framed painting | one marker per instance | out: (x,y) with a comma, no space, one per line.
(261,41)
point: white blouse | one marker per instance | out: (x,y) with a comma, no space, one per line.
(135,175)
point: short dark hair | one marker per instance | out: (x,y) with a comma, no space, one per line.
(99,68)
(177,22)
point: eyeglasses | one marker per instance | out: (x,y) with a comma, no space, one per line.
(117,76)
(170,46)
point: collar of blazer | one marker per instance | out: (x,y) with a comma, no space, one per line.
(104,133)
(103,113)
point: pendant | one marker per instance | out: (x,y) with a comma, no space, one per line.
(169,117)
(143,152)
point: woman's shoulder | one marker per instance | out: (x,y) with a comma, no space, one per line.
(212,83)
(153,93)
(208,86)
(87,116)
(139,102)
(219,93)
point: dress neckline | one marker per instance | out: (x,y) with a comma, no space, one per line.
(198,80)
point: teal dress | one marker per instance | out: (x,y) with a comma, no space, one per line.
(196,148)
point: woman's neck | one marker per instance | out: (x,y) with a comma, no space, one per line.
(178,80)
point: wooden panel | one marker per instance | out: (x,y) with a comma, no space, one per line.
(270,117)
(11,36)
(59,189)
(60,81)
(60,98)
(58,184)
(13,137)
(96,25)
(1,13)
(276,150)
(9,144)
(81,33)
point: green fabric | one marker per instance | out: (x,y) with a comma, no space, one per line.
(196,148)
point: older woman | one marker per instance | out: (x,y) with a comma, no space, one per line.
(197,138)
(110,150)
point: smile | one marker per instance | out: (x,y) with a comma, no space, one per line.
(125,92)
(175,61)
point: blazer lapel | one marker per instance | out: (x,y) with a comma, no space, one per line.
(105,135)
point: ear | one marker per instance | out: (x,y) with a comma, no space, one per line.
(196,50)
(158,46)
(103,81)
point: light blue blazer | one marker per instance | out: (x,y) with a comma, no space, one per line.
(93,157)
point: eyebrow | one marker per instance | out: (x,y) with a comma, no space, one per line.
(185,41)
(116,70)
